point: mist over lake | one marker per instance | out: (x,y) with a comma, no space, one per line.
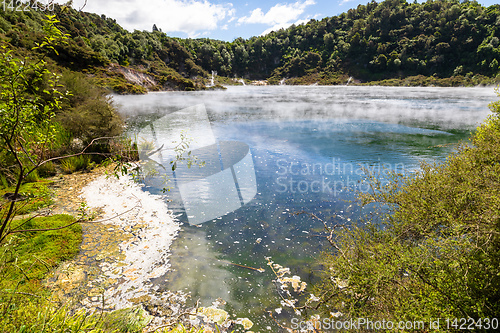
(309,148)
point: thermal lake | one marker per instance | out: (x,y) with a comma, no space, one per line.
(269,152)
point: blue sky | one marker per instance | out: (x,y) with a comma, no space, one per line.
(218,19)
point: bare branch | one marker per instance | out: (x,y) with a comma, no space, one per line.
(176,320)
(25,152)
(9,215)
(28,220)
(77,154)
(85,4)
(277,322)
(78,221)
(327,228)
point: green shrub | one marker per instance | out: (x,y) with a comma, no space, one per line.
(76,163)
(123,87)
(436,255)
(32,177)
(88,113)
(47,170)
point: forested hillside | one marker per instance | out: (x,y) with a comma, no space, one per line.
(390,39)
(122,61)
(458,42)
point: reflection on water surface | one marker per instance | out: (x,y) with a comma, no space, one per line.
(308,147)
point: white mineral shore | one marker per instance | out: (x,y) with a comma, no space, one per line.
(144,256)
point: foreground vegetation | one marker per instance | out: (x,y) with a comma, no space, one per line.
(46,127)
(434,250)
(53,120)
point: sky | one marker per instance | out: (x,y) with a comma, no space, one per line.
(218,19)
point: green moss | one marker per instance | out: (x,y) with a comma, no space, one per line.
(37,196)
(25,260)
(126,320)
(29,256)
(35,315)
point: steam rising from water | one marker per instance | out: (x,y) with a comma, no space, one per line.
(441,108)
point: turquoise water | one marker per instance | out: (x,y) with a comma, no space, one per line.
(309,147)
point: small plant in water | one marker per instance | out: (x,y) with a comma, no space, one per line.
(148,168)
(83,212)
(180,149)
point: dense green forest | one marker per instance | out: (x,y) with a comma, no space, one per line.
(98,47)
(444,42)
(390,39)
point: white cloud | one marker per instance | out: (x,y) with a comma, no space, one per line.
(189,16)
(283,26)
(278,15)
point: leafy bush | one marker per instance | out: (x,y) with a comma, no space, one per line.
(436,255)
(88,112)
(128,88)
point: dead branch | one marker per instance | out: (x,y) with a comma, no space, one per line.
(327,228)
(176,320)
(78,221)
